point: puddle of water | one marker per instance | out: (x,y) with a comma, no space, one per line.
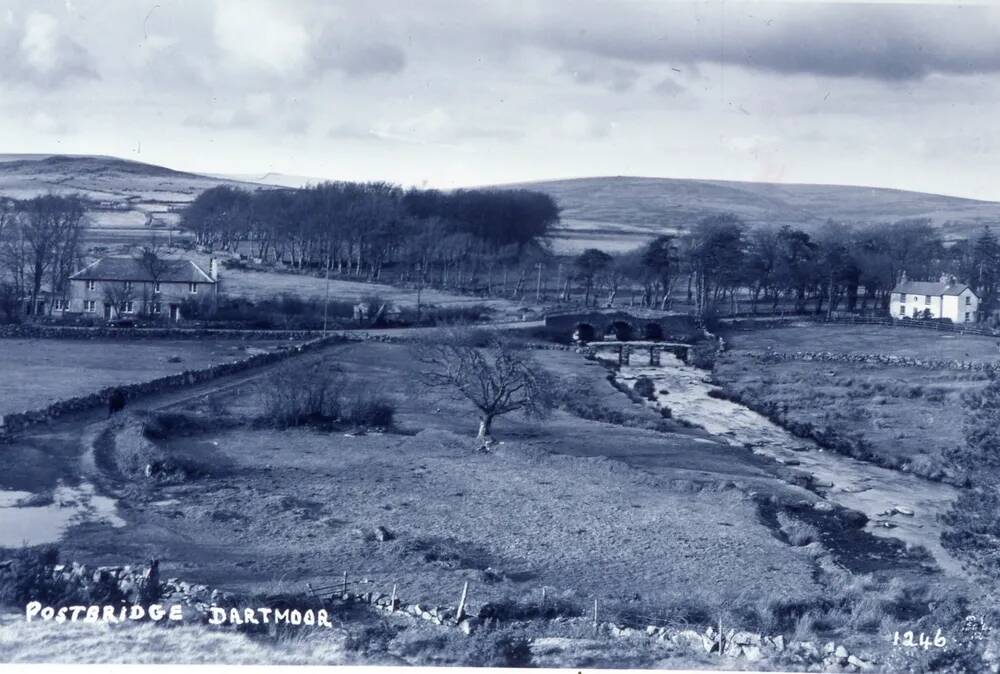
(39,524)
(855,484)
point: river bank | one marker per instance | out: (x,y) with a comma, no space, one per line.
(898,505)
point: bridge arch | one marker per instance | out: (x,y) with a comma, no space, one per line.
(652,332)
(584,333)
(622,331)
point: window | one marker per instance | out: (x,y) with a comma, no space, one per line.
(193,288)
(129,307)
(156,286)
(156,307)
(927,299)
(91,285)
(967,316)
(90,305)
(968,300)
(128,285)
(58,305)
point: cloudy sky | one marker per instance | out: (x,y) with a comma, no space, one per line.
(465,93)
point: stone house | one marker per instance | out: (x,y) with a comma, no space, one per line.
(125,287)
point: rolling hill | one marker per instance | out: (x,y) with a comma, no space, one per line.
(617,213)
(132,200)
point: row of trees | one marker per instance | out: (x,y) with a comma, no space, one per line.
(492,242)
(720,262)
(39,247)
(360,228)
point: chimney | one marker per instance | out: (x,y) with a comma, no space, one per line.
(213,269)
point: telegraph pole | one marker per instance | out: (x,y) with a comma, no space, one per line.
(326,299)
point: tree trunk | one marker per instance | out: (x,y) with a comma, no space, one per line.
(483,438)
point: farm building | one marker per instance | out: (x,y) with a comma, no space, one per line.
(935,299)
(122,287)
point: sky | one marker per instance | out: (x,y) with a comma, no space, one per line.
(448,94)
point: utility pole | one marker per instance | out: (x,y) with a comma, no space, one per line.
(538,286)
(326,299)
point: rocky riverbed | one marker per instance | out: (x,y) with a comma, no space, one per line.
(898,505)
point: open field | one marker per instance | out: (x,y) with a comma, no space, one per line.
(905,416)
(38,372)
(256,285)
(660,522)
(896,341)
(297,506)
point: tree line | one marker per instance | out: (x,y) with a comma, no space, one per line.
(359,229)
(722,265)
(40,246)
(492,242)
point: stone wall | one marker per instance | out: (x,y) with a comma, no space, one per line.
(36,331)
(874,359)
(138,584)
(12,423)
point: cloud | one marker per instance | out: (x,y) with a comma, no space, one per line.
(579,125)
(38,52)
(260,35)
(362,60)
(668,87)
(883,42)
(614,77)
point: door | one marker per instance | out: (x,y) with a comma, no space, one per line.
(174,312)
(107,311)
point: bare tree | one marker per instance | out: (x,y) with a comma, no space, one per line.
(498,378)
(154,265)
(119,296)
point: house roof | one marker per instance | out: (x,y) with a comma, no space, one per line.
(930,288)
(133,269)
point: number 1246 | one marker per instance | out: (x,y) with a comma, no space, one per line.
(919,641)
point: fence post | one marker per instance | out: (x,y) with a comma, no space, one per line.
(461,603)
(344,593)
(392,600)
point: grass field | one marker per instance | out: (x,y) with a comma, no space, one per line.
(257,285)
(906,416)
(659,522)
(282,508)
(38,372)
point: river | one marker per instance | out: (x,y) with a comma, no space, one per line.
(898,505)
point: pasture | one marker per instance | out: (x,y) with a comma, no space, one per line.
(37,372)
(544,509)
(907,417)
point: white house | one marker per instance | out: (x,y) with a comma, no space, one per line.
(936,299)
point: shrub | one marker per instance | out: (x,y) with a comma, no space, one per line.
(644,387)
(302,394)
(370,411)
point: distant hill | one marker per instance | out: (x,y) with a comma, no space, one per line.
(133,201)
(617,213)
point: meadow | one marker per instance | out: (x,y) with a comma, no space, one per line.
(37,372)
(899,416)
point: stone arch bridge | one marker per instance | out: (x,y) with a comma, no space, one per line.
(588,327)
